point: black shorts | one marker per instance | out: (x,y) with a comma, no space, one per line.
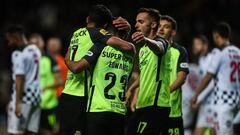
(48,118)
(175,126)
(104,123)
(150,121)
(72,110)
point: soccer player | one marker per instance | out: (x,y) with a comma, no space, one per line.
(224,69)
(204,123)
(54,47)
(74,96)
(178,68)
(109,79)
(50,79)
(150,98)
(24,109)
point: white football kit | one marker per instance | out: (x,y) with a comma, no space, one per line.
(25,61)
(225,65)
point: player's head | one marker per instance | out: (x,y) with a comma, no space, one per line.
(167,27)
(100,15)
(200,45)
(15,35)
(147,20)
(54,45)
(37,39)
(221,33)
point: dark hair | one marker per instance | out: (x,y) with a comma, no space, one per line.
(223,29)
(100,15)
(171,20)
(202,38)
(153,13)
(15,28)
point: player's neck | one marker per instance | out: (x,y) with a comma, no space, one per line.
(152,34)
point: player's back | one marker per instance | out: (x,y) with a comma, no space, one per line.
(228,76)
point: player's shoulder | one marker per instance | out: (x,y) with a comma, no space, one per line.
(215,51)
(179,47)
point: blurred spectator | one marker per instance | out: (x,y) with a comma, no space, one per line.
(54,47)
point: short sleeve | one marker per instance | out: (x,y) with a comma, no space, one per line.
(99,35)
(163,43)
(19,66)
(183,61)
(214,62)
(93,53)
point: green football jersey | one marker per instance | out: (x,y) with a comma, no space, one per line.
(179,62)
(81,41)
(47,68)
(109,81)
(154,80)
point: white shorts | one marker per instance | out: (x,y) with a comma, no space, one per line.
(28,121)
(223,119)
(205,116)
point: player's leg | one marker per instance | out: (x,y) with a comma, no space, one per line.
(96,124)
(71,112)
(224,120)
(34,120)
(17,125)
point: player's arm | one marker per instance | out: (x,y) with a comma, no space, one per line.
(20,81)
(158,46)
(182,70)
(132,88)
(102,36)
(134,100)
(89,59)
(211,71)
(181,77)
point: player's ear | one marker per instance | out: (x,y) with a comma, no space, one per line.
(154,25)
(173,33)
(87,19)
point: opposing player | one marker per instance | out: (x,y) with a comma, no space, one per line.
(178,70)
(24,109)
(224,69)
(204,118)
(74,96)
(151,98)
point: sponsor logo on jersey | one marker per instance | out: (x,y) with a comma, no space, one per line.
(184,65)
(104,32)
(89,53)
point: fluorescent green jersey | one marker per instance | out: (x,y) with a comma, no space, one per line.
(82,40)
(179,62)
(154,88)
(109,81)
(47,69)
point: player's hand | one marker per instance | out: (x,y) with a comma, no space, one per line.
(194,104)
(18,109)
(128,97)
(138,37)
(122,24)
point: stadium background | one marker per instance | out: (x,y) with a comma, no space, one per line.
(61,17)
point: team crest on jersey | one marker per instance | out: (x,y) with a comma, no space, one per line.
(104,32)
